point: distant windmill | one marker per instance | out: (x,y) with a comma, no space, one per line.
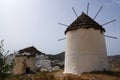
(85,44)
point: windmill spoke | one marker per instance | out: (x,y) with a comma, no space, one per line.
(110,37)
(61,39)
(108,22)
(74,11)
(63,24)
(87,8)
(98,12)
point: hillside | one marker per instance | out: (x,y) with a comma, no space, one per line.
(114,61)
(114,74)
(59,56)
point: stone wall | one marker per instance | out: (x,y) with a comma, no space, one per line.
(23,62)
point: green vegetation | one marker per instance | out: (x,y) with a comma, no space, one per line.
(4,67)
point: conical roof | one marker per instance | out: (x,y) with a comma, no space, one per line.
(31,50)
(84,21)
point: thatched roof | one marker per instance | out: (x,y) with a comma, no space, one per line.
(84,21)
(32,50)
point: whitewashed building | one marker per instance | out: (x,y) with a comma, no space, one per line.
(85,46)
(43,63)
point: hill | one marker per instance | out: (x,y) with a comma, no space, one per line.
(113,74)
(60,56)
(114,61)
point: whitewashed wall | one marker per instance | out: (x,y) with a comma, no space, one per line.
(85,51)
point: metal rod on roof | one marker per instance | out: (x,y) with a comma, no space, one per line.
(61,39)
(63,24)
(74,11)
(108,22)
(87,8)
(98,12)
(110,37)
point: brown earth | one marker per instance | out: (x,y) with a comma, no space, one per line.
(58,75)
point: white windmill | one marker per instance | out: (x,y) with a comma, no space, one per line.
(85,45)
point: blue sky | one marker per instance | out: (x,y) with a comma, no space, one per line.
(24,23)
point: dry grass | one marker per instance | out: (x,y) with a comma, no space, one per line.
(89,76)
(58,75)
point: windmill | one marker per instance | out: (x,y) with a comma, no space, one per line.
(85,44)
